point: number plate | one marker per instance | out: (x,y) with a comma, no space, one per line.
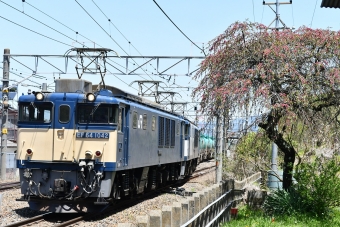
(95,135)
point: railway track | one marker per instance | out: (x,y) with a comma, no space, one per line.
(48,217)
(29,221)
(10,185)
(202,171)
(121,205)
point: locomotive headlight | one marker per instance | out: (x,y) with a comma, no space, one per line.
(39,96)
(88,154)
(98,153)
(90,97)
(29,151)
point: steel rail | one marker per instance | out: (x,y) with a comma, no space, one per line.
(9,185)
(30,220)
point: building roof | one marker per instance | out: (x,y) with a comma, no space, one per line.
(331,4)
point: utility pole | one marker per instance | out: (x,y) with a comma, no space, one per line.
(277,19)
(5,85)
(272,175)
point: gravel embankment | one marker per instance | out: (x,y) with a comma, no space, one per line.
(12,211)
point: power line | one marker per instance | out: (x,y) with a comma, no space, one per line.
(108,33)
(59,33)
(77,33)
(11,71)
(311,23)
(254,12)
(116,27)
(46,26)
(38,21)
(110,36)
(293,15)
(110,22)
(100,26)
(178,28)
(36,32)
(59,22)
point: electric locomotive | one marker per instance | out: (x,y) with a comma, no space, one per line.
(80,150)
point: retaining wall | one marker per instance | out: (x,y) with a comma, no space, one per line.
(209,207)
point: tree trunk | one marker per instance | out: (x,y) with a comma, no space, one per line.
(289,152)
(288,167)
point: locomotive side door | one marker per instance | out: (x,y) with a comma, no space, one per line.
(63,135)
(122,140)
(186,141)
(180,125)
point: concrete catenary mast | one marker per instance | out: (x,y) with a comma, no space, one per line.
(272,177)
(5,83)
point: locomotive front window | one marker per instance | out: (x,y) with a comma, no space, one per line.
(64,113)
(96,114)
(35,112)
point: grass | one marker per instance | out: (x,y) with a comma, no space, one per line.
(251,218)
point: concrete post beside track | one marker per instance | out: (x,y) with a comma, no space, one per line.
(4,111)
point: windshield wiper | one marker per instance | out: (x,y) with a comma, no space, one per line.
(95,108)
(32,104)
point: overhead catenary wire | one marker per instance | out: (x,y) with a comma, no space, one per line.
(11,71)
(58,32)
(116,27)
(39,21)
(179,28)
(108,34)
(253,11)
(86,37)
(110,37)
(316,2)
(293,16)
(122,35)
(110,22)
(77,33)
(36,32)
(262,13)
(46,26)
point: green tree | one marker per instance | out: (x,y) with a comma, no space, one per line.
(293,76)
(251,155)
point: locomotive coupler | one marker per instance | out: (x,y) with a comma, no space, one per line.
(61,186)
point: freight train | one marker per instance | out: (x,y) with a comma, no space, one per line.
(81,147)
(207,147)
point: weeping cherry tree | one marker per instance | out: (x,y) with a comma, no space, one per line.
(292,76)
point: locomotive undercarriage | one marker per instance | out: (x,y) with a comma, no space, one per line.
(85,189)
(132,182)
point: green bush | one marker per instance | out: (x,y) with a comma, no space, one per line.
(281,202)
(319,185)
(317,191)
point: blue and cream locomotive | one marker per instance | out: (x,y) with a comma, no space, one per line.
(79,150)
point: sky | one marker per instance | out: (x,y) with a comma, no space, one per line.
(136,28)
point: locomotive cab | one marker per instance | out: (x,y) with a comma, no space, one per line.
(67,144)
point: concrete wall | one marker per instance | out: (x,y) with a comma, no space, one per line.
(210,206)
(180,213)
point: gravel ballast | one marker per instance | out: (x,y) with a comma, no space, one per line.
(12,211)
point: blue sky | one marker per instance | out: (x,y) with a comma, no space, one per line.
(144,25)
